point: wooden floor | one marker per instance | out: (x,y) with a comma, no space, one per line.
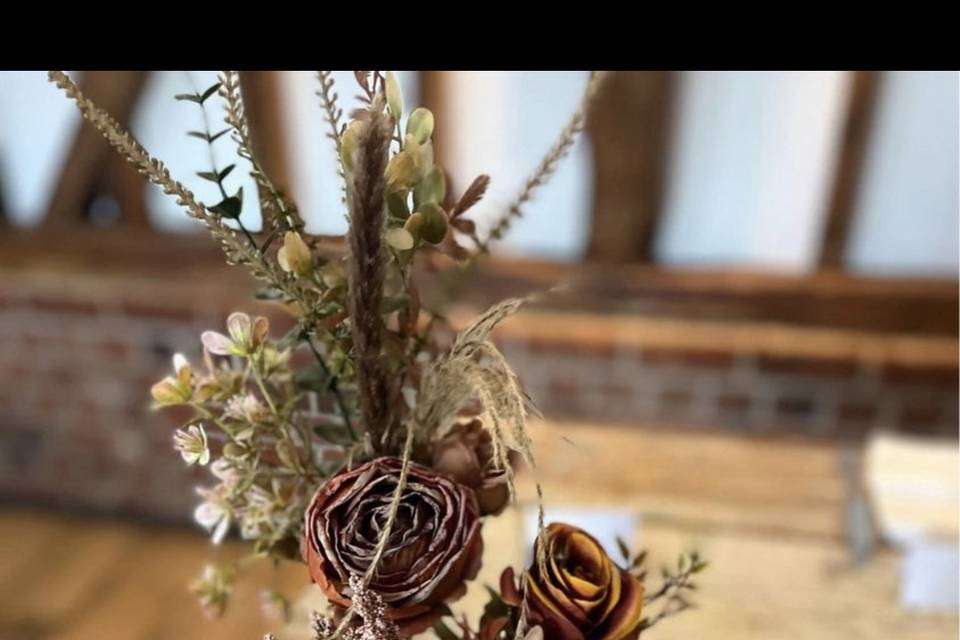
(768,515)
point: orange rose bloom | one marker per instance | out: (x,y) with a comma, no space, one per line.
(584,594)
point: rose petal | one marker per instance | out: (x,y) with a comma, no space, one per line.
(626,616)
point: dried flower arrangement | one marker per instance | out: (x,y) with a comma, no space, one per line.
(389,529)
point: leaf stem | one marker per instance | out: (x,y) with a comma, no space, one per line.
(333,385)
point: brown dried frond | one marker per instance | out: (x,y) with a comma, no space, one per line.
(471,196)
(369,81)
(366,201)
(547,165)
(278,212)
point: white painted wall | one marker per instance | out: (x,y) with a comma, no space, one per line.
(36,126)
(752,159)
(907,208)
(751,166)
(504,123)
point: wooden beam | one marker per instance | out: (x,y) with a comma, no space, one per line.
(4,215)
(263,102)
(856,133)
(629,128)
(90,166)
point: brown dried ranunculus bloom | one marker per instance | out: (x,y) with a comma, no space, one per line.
(584,594)
(466,454)
(433,548)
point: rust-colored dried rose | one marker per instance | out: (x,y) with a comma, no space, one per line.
(433,548)
(466,454)
(584,595)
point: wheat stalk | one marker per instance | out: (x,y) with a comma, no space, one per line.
(332,114)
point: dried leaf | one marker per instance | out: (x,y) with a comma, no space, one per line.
(471,196)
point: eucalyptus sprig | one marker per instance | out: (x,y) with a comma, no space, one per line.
(229,206)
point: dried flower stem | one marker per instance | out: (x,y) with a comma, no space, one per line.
(332,114)
(333,385)
(547,165)
(394,507)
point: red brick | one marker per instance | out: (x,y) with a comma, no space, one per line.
(921,411)
(810,366)
(114,348)
(60,305)
(856,411)
(152,311)
(939,376)
(795,407)
(687,357)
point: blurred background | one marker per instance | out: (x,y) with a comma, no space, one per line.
(758,357)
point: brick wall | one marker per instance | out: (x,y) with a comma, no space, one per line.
(80,347)
(744,394)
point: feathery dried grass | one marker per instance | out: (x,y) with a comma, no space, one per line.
(472,369)
(366,198)
(475,369)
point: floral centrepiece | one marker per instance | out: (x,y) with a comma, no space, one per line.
(364,435)
(433,547)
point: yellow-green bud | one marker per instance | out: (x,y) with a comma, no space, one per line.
(420,124)
(433,188)
(402,171)
(432,225)
(394,97)
(400,239)
(397,204)
(294,256)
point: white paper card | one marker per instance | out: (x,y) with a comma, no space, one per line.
(931,571)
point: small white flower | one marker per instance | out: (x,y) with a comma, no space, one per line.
(246,407)
(180,362)
(213,514)
(246,336)
(224,470)
(217,343)
(192,444)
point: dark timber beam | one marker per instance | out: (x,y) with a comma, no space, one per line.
(629,127)
(847,179)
